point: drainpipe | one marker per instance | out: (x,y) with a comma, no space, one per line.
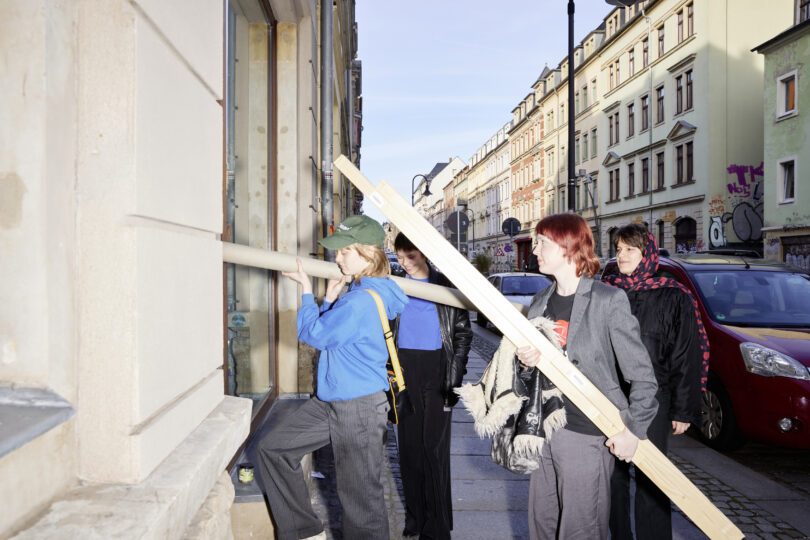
(650,123)
(326,123)
(230,158)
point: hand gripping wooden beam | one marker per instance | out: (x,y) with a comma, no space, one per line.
(554,365)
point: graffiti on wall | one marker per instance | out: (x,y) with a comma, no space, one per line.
(689,246)
(742,207)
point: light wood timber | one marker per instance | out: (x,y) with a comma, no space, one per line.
(284,262)
(554,364)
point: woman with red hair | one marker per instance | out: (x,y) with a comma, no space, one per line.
(569,495)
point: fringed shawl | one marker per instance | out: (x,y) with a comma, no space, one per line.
(507,389)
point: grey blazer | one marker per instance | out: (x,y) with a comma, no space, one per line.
(602,332)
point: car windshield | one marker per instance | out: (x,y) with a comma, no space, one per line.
(754,298)
(523,285)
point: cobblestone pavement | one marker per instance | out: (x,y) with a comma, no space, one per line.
(787,466)
(754,522)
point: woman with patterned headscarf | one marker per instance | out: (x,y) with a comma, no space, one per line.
(676,341)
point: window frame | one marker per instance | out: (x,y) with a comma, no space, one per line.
(631,120)
(645,175)
(645,112)
(679,94)
(679,169)
(631,179)
(660,95)
(689,78)
(631,62)
(661,42)
(781,110)
(780,176)
(660,168)
(690,19)
(645,52)
(613,183)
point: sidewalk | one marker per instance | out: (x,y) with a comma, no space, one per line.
(490,503)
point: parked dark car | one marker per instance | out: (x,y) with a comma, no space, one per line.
(517,287)
(757,316)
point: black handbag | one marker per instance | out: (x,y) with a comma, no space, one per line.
(399,402)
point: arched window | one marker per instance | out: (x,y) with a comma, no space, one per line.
(685,235)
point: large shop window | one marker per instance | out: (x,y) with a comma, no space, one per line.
(249,202)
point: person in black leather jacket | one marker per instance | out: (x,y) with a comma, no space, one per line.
(669,322)
(433,341)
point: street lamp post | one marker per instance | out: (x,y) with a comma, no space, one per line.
(472,219)
(570,168)
(427,186)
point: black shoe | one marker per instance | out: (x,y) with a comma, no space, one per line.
(407,533)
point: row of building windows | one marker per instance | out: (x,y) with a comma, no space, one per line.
(684,101)
(614,69)
(683,173)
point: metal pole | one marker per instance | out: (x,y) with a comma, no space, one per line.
(327,210)
(458,231)
(649,118)
(571,180)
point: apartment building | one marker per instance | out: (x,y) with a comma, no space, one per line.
(491,200)
(525,166)
(786,203)
(681,129)
(551,91)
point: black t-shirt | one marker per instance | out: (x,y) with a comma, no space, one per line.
(558,309)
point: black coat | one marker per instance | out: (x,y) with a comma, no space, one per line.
(668,326)
(454,325)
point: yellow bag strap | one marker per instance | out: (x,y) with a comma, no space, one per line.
(389,339)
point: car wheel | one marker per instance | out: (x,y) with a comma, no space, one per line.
(481,320)
(718,424)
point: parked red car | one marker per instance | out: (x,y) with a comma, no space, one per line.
(757,315)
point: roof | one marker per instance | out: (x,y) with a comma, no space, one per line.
(439,167)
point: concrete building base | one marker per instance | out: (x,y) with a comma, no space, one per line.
(187,496)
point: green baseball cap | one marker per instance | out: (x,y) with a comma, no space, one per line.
(355,230)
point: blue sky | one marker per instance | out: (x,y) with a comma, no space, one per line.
(441,77)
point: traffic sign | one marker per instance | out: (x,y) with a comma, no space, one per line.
(511,226)
(457,219)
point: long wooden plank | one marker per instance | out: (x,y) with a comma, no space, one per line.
(284,262)
(554,364)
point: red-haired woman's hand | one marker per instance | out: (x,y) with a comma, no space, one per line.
(528,356)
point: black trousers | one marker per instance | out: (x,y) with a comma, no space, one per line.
(653,517)
(424,448)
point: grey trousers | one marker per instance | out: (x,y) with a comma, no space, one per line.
(355,428)
(569,495)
